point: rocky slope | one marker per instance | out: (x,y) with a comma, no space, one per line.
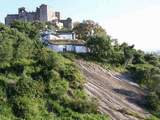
(119,98)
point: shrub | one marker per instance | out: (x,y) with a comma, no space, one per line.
(58,88)
(71,73)
(153,102)
(27,108)
(28,87)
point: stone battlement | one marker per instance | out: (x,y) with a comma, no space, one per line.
(42,13)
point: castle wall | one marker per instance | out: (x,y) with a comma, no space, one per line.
(67,23)
(10,18)
(31,17)
(43,13)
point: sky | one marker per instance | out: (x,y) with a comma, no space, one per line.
(133,21)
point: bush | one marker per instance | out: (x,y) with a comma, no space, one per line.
(83,106)
(153,102)
(58,88)
(72,74)
(30,88)
(140,72)
(6,112)
(27,108)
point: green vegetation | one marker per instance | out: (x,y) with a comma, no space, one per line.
(37,83)
(143,67)
(87,28)
(153,118)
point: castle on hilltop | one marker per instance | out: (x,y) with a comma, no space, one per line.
(42,13)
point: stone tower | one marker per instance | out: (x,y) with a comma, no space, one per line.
(57,14)
(43,13)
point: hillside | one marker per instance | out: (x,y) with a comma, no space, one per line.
(117,97)
(37,83)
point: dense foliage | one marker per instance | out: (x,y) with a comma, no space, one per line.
(86,29)
(39,84)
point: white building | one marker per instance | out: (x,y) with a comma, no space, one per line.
(77,46)
(64,42)
(51,35)
(67,35)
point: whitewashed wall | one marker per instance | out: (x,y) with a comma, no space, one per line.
(74,48)
(66,36)
(81,49)
(70,48)
(58,48)
(52,37)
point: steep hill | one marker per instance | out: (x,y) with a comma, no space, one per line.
(117,97)
(37,83)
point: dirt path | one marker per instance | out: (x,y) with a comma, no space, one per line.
(120,99)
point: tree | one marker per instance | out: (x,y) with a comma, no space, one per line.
(128,53)
(27,28)
(152,58)
(52,26)
(138,57)
(39,25)
(14,45)
(116,45)
(155,84)
(5,45)
(86,29)
(100,47)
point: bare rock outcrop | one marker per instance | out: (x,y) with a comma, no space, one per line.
(119,98)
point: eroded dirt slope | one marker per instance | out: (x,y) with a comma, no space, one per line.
(117,97)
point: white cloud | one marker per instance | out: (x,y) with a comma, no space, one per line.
(141,28)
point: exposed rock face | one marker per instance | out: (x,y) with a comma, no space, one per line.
(118,98)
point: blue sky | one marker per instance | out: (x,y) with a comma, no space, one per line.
(133,21)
